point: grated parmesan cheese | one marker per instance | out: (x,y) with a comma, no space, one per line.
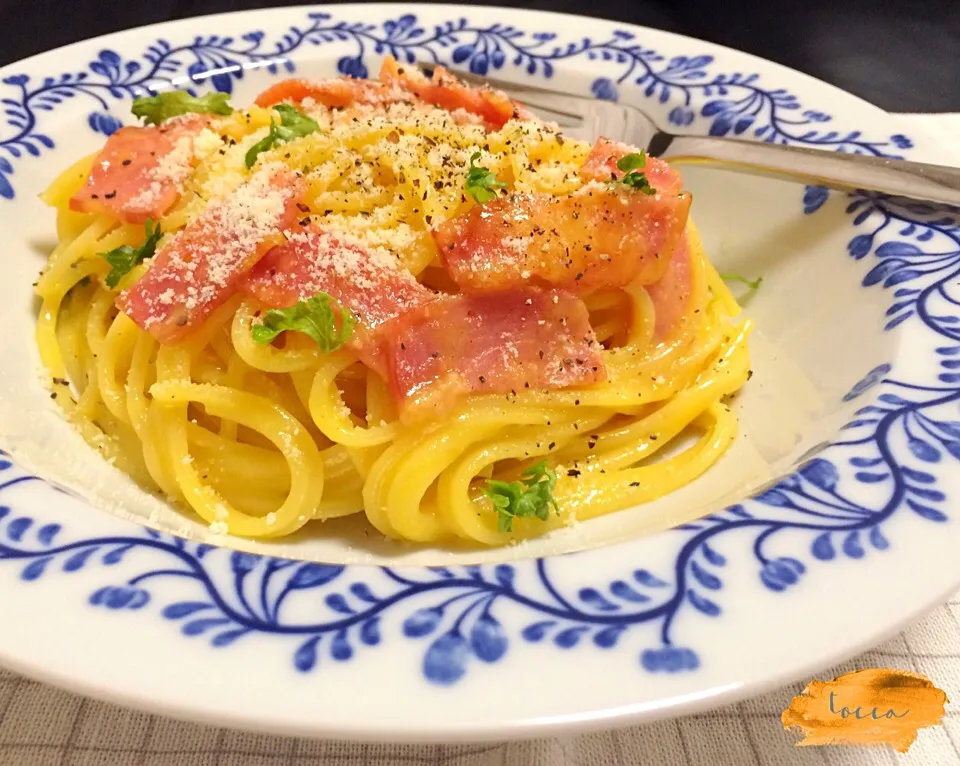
(175,165)
(206,143)
(148,197)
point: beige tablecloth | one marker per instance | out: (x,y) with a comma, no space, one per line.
(43,726)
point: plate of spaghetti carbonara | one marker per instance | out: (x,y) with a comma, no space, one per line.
(320,369)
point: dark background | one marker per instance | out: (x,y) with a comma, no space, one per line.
(903,55)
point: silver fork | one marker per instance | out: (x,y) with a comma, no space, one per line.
(588,119)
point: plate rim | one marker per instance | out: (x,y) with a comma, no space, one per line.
(517,729)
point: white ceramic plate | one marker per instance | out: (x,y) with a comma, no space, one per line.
(851,434)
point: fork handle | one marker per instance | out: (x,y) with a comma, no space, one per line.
(834,170)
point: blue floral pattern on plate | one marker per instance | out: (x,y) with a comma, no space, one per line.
(734,104)
(896,443)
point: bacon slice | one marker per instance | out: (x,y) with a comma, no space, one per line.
(601,165)
(399,84)
(600,236)
(202,265)
(434,350)
(138,173)
(671,294)
(366,281)
(338,93)
(447,92)
(496,343)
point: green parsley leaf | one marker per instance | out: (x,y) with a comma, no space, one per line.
(160,108)
(122,259)
(639,182)
(632,162)
(263,145)
(753,284)
(630,165)
(480,183)
(293,124)
(531,497)
(316,317)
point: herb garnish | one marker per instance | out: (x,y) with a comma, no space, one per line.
(315,317)
(530,497)
(753,284)
(293,124)
(630,165)
(160,108)
(122,259)
(480,183)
